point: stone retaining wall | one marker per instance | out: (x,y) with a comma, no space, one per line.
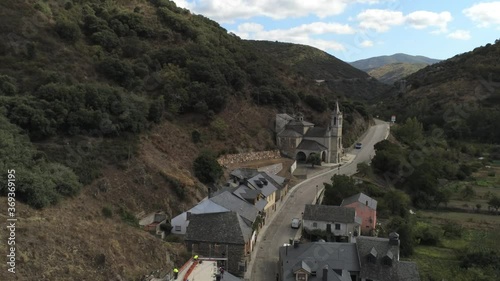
(225,160)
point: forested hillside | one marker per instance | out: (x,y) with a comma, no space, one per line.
(461,95)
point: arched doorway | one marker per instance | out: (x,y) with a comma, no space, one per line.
(323,156)
(301,157)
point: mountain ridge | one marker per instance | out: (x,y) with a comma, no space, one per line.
(375,62)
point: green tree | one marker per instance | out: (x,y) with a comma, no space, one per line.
(314,159)
(364,169)
(405,229)
(397,201)
(342,186)
(68,30)
(206,168)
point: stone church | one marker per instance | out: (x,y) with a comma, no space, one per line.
(298,139)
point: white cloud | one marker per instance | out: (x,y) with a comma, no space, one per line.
(460,35)
(484,14)
(383,20)
(228,11)
(366,44)
(424,19)
(302,34)
(380,20)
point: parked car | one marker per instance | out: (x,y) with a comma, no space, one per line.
(295,223)
(358,145)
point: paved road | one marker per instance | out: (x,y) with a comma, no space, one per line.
(279,231)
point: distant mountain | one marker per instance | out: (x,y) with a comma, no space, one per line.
(308,62)
(393,72)
(375,62)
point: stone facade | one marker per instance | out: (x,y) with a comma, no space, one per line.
(237,255)
(248,156)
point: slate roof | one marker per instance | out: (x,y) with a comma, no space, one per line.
(285,116)
(290,134)
(231,202)
(316,255)
(267,187)
(361,198)
(242,173)
(300,123)
(330,214)
(404,271)
(261,204)
(246,193)
(207,206)
(316,132)
(311,145)
(227,228)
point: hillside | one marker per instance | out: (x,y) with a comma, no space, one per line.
(100,103)
(313,64)
(393,72)
(375,62)
(461,95)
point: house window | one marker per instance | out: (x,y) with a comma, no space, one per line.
(315,224)
(177,228)
(337,226)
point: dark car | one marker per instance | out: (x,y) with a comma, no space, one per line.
(358,145)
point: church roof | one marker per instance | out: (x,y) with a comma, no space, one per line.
(316,132)
(311,145)
(290,133)
(300,123)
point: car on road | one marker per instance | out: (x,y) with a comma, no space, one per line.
(358,145)
(295,223)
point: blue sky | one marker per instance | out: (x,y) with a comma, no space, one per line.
(358,29)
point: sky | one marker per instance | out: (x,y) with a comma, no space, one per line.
(357,29)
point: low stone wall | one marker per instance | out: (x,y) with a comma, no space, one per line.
(249,156)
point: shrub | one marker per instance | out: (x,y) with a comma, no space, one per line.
(106,39)
(452,230)
(107,212)
(68,30)
(196,136)
(206,168)
(128,217)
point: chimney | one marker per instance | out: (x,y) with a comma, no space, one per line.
(394,239)
(325,273)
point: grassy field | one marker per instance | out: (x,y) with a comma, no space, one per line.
(479,234)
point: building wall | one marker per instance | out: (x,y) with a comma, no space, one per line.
(368,216)
(235,254)
(270,207)
(321,225)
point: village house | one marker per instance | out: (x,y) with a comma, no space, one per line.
(366,209)
(334,223)
(224,235)
(369,259)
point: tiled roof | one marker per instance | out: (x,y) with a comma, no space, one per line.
(242,173)
(316,255)
(362,198)
(231,202)
(316,132)
(329,213)
(290,134)
(311,145)
(227,227)
(263,184)
(404,271)
(300,123)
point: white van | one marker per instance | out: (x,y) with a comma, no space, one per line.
(295,223)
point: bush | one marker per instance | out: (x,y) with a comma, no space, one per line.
(106,39)
(196,136)
(452,230)
(427,235)
(206,168)
(107,212)
(68,30)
